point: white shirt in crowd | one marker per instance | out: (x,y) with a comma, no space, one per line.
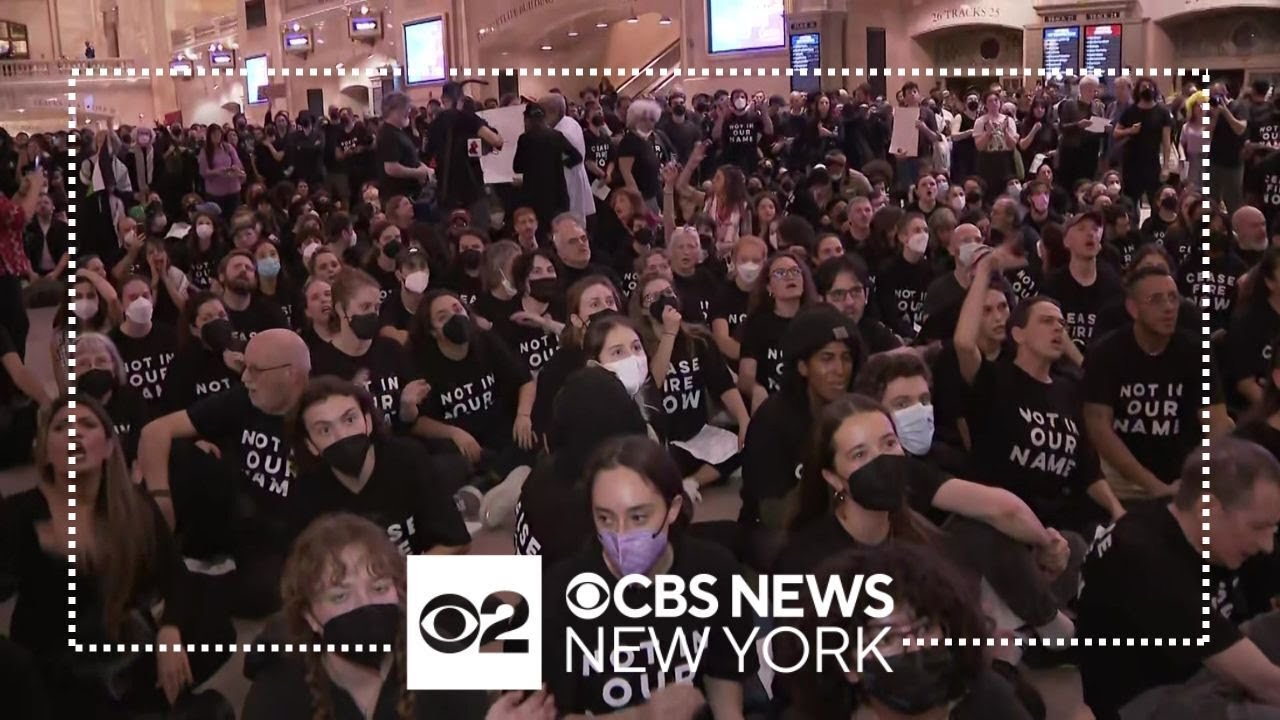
(581,202)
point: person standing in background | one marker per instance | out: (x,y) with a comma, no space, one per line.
(581,202)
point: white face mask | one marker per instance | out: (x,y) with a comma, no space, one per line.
(204,232)
(632,371)
(416,282)
(740,104)
(507,286)
(496,219)
(915,428)
(918,243)
(130,237)
(749,271)
(1014,188)
(86,308)
(957,203)
(308,251)
(139,311)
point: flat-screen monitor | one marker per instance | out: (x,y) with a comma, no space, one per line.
(1102,47)
(806,55)
(424,51)
(1062,50)
(255,76)
(738,25)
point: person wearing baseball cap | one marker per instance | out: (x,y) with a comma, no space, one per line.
(1084,286)
(822,351)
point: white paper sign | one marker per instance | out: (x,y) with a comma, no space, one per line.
(1098,124)
(509,123)
(712,445)
(906,136)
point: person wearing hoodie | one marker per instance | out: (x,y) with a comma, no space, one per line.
(592,407)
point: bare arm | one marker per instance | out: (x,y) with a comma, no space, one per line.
(490,136)
(1251,390)
(1097,423)
(965,338)
(23,379)
(996,507)
(725,698)
(1101,493)
(624,166)
(1244,665)
(731,349)
(153,456)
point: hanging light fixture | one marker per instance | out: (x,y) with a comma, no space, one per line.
(664,20)
(633,19)
(602,24)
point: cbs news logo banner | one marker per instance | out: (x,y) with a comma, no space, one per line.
(475,622)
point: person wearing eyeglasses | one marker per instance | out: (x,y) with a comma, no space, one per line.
(242,428)
(573,249)
(1140,384)
(842,283)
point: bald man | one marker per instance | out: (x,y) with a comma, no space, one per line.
(232,498)
(1250,227)
(581,202)
(946,293)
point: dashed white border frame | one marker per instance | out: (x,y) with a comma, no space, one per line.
(72,179)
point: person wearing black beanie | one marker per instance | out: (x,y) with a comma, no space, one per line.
(590,408)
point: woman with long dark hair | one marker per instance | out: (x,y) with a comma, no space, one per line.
(126,563)
(641,514)
(222,172)
(919,677)
(208,361)
(784,288)
(1252,332)
(199,254)
(1038,134)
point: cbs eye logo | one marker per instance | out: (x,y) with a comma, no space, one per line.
(449,623)
(587,596)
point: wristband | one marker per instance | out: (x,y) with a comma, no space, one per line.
(160,493)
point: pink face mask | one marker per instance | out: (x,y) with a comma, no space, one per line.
(1040,202)
(634,552)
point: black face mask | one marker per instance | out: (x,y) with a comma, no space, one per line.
(658,306)
(919,681)
(470,259)
(601,315)
(217,334)
(644,236)
(1169,202)
(544,289)
(1146,95)
(973,198)
(678,111)
(457,329)
(96,383)
(374,626)
(882,483)
(348,454)
(364,326)
(391,249)
(597,121)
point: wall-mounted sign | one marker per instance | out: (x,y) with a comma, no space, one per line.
(806,57)
(1061,18)
(1061,50)
(964,12)
(1112,15)
(1102,46)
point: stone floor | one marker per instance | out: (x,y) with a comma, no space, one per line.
(1060,688)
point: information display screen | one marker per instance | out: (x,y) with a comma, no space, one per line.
(737,25)
(424,51)
(1102,47)
(806,54)
(1061,50)
(255,76)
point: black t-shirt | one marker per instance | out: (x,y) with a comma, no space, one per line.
(1154,229)
(1122,249)
(496,311)
(258,316)
(452,138)
(8,390)
(696,370)
(599,149)
(534,345)
(900,293)
(1142,151)
(395,145)
(645,166)
(283,692)
(1142,579)
(384,370)
(1081,305)
(128,412)
(358,164)
(773,454)
(394,314)
(581,689)
(876,337)
(289,301)
(1266,184)
(258,445)
(146,360)
(1155,399)
(1224,144)
(477,393)
(740,140)
(695,293)
(388,284)
(730,304)
(551,517)
(1025,281)
(469,288)
(762,342)
(1264,125)
(1220,289)
(400,495)
(1248,344)
(1028,437)
(195,373)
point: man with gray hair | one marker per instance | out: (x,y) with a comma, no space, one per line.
(402,171)
(581,202)
(1078,149)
